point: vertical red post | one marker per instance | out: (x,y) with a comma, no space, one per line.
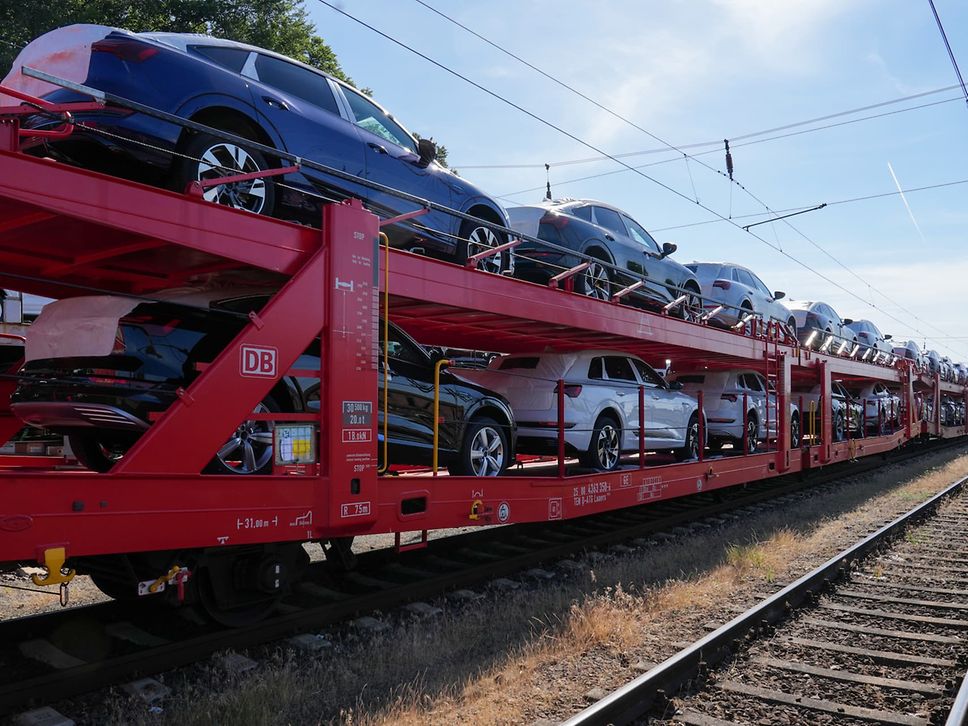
(863,424)
(641,427)
(746,423)
(561,427)
(349,377)
(803,428)
(702,428)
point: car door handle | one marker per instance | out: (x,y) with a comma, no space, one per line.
(275,103)
(377,148)
(609,237)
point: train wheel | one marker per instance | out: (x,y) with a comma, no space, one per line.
(240,586)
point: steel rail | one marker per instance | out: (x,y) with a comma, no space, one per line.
(515,548)
(959,709)
(634,700)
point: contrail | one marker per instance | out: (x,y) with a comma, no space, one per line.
(906,205)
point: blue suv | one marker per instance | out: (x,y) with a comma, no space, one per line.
(259,95)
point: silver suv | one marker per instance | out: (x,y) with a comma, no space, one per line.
(740,292)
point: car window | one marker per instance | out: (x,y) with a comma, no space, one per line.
(744,278)
(232,59)
(369,116)
(646,373)
(638,233)
(618,368)
(610,220)
(596,369)
(400,347)
(753,382)
(758,283)
(583,212)
(300,82)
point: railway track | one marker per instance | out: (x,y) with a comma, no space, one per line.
(79,650)
(878,634)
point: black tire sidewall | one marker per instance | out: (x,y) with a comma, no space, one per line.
(186,170)
(462,465)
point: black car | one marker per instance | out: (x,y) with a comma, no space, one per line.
(119,362)
(608,235)
(262,96)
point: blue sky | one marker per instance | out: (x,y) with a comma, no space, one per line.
(692,71)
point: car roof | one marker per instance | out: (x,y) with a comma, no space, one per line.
(181,41)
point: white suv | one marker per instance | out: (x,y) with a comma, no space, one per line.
(601,404)
(723,405)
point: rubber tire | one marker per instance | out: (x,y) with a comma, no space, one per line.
(590,459)
(463,466)
(795,433)
(840,427)
(684,312)
(752,428)
(462,252)
(89,448)
(185,171)
(746,309)
(689,452)
(215,466)
(582,287)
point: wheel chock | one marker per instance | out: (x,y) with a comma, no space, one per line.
(56,574)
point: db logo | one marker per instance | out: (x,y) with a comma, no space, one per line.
(258,362)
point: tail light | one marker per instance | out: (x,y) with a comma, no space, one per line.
(558,221)
(722,284)
(572,390)
(731,397)
(126,49)
(119,346)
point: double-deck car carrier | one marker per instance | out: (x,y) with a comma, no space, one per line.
(155,522)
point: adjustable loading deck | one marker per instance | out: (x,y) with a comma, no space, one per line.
(66,231)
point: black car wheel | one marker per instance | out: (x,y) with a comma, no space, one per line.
(839,426)
(249,450)
(99,450)
(604,448)
(212,158)
(691,309)
(475,238)
(485,450)
(595,281)
(691,448)
(752,428)
(795,431)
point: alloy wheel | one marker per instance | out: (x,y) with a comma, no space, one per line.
(595,279)
(487,452)
(606,446)
(249,449)
(225,159)
(484,238)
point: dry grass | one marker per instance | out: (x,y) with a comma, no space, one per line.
(521,656)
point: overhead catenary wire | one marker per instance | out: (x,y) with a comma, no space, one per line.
(754,134)
(659,183)
(619,116)
(947,45)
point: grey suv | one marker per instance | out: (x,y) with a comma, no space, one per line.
(740,292)
(610,236)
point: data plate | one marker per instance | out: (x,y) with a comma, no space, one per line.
(295,444)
